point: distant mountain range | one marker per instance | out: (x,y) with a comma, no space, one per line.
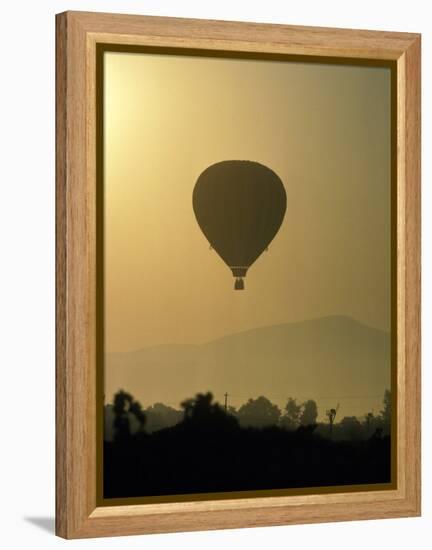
(331,359)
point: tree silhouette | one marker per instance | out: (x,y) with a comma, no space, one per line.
(369,422)
(259,412)
(125,410)
(135,408)
(309,413)
(122,401)
(292,413)
(386,411)
(201,412)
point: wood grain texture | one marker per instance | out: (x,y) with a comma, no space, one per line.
(75,435)
(192,33)
(78,33)
(412,261)
(61,251)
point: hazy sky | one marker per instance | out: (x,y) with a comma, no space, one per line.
(325,130)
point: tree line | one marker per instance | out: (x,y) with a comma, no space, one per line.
(126,416)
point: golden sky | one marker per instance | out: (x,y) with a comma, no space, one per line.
(325,130)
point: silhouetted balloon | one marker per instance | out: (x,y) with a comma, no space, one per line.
(239,206)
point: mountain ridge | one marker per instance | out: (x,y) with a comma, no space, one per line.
(333,355)
(250,330)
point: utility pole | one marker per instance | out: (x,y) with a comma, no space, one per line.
(226,401)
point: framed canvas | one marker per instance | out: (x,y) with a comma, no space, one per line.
(238,274)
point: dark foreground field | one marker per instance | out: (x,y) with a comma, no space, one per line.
(206,457)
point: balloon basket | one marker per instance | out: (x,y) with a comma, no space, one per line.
(239,284)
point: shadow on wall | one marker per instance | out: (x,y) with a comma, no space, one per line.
(44,523)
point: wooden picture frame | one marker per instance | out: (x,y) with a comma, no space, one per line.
(78,513)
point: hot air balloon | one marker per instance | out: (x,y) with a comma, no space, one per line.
(239,206)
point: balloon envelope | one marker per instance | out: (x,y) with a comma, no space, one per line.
(239,206)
